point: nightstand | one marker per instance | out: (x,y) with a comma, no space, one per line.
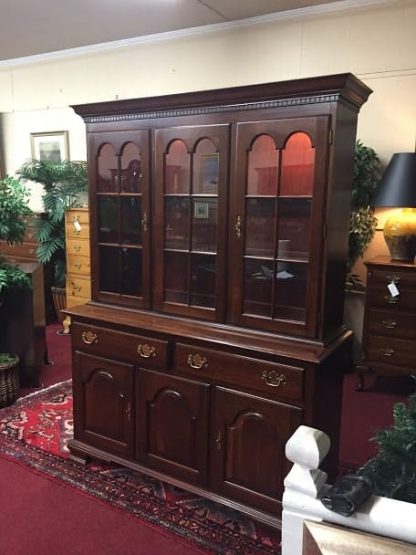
(389,334)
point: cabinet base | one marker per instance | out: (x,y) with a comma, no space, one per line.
(82,453)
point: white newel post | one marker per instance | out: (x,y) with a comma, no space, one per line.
(305,485)
(306,449)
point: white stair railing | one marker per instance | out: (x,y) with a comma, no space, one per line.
(306,484)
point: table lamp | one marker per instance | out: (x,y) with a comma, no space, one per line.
(397,189)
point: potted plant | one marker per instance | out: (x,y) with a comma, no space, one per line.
(63,183)
(366,176)
(13,210)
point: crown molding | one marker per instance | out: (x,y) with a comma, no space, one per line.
(341,6)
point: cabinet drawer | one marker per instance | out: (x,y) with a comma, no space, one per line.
(74,215)
(380,297)
(391,351)
(20,250)
(392,324)
(78,286)
(142,351)
(80,247)
(260,375)
(401,277)
(82,232)
(78,265)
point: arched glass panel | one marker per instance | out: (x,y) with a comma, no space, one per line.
(107,170)
(263,161)
(131,169)
(298,166)
(177,173)
(205,168)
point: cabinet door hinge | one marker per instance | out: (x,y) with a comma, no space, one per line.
(331,136)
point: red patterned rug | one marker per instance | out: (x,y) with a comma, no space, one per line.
(35,431)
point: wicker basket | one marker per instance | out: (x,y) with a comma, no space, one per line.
(9,381)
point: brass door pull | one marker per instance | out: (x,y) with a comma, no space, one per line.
(146,350)
(89,337)
(273,379)
(237,227)
(388,352)
(197,361)
(389,324)
(144,222)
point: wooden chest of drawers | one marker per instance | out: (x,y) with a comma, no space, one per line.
(389,340)
(78,279)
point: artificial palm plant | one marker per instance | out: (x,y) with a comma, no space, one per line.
(366,176)
(63,183)
(13,210)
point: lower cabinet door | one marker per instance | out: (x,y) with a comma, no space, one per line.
(103,396)
(172,425)
(248,460)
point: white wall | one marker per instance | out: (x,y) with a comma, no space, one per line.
(377,43)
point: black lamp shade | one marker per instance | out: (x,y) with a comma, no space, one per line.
(398,185)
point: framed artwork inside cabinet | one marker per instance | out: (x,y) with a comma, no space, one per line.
(50,146)
(209,173)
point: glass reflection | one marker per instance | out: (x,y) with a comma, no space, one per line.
(176,277)
(107,170)
(205,168)
(131,229)
(298,166)
(177,163)
(290,300)
(131,264)
(109,263)
(204,224)
(131,171)
(263,160)
(108,219)
(260,226)
(203,268)
(294,226)
(258,287)
(177,223)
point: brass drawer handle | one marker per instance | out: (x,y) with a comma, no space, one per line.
(389,324)
(146,350)
(393,278)
(387,352)
(89,337)
(273,379)
(391,300)
(78,265)
(197,361)
(77,248)
(237,227)
(76,288)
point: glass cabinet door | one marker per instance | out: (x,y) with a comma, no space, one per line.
(120,258)
(276,223)
(190,220)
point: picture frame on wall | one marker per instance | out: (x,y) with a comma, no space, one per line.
(52,146)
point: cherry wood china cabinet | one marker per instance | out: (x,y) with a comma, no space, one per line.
(219,231)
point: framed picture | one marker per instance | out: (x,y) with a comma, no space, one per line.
(209,173)
(201,210)
(50,146)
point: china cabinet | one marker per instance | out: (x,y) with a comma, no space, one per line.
(219,230)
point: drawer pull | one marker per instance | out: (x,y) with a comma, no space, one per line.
(197,361)
(387,352)
(273,379)
(391,300)
(389,324)
(393,278)
(77,248)
(89,337)
(78,265)
(76,288)
(146,350)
